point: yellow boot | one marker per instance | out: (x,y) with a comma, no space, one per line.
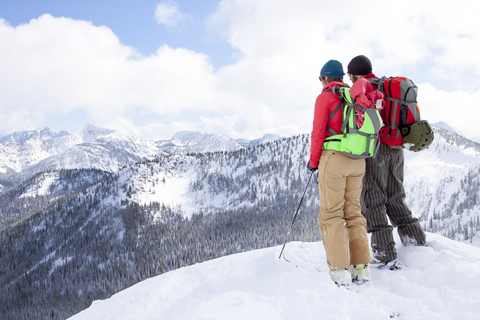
(360,273)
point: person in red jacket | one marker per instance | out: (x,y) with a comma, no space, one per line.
(383,195)
(343,227)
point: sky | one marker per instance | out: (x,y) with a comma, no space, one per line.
(440,281)
(240,68)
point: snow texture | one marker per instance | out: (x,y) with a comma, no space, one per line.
(440,281)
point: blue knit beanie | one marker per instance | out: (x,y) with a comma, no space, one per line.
(332,69)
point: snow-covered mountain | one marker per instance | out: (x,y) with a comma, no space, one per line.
(441,281)
(103,232)
(27,153)
(91,132)
(253,143)
(442,184)
(24,154)
(198,142)
(445,126)
(42,134)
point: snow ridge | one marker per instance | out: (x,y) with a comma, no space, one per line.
(42,134)
(445,126)
(91,133)
(199,142)
(441,281)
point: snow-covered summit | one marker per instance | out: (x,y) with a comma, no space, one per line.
(198,142)
(92,132)
(186,138)
(38,134)
(93,147)
(253,143)
(23,154)
(445,126)
(441,281)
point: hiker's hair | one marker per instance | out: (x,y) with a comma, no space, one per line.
(356,77)
(331,79)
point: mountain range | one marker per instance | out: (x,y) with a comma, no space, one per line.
(437,180)
(85,220)
(23,154)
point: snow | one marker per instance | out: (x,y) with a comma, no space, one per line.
(59,263)
(445,126)
(91,132)
(93,147)
(43,186)
(173,192)
(440,281)
(199,142)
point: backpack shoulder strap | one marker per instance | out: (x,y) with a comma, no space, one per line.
(338,92)
(378,82)
(349,125)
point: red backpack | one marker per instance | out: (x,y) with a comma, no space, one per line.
(401,108)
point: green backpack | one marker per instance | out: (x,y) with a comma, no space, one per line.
(360,131)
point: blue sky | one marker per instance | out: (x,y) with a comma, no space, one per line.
(242,68)
(133,22)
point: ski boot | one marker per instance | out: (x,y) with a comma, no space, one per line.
(391,265)
(342,278)
(360,273)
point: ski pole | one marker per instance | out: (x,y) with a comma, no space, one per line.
(295,217)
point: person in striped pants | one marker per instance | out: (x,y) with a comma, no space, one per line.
(383,194)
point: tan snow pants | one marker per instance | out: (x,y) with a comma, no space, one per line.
(344,230)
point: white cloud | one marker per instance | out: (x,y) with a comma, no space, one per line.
(167,13)
(284,45)
(457,108)
(60,65)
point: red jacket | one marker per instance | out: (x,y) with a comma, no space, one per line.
(324,105)
(371,76)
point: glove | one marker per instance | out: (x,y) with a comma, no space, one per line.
(310,168)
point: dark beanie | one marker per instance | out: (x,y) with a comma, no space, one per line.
(360,65)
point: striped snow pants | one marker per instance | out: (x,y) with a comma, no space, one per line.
(344,232)
(383,198)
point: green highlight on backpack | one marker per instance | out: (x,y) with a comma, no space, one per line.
(356,141)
